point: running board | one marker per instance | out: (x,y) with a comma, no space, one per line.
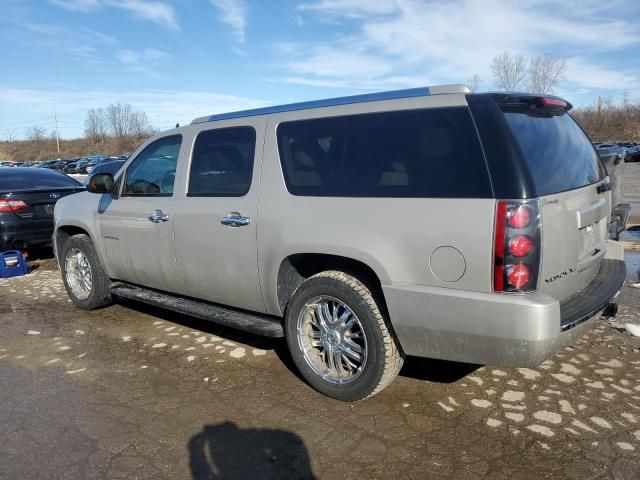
(249,322)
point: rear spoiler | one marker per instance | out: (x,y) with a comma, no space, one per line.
(533,104)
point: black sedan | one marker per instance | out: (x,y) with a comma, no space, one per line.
(27,198)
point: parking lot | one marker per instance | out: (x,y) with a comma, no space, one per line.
(134,392)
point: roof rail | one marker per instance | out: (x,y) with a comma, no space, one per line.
(449,89)
(367,97)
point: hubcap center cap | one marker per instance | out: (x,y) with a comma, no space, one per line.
(333,338)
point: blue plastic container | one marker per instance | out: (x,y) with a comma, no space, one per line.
(12,264)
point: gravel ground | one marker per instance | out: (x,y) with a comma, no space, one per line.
(133,392)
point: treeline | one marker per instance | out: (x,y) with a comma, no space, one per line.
(113,130)
(608,122)
(46,149)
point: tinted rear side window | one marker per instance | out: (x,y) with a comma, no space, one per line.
(222,162)
(23,179)
(414,153)
(559,155)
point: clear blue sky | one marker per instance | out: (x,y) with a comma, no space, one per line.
(180,59)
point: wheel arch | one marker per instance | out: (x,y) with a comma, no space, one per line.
(64,232)
(296,268)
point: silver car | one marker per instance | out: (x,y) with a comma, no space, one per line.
(431,222)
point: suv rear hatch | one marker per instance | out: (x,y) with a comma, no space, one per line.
(549,158)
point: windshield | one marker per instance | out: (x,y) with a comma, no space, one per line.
(559,155)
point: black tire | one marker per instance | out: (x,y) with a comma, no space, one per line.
(384,357)
(100,293)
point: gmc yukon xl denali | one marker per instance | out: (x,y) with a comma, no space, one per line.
(431,222)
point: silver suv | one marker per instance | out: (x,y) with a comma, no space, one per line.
(430,222)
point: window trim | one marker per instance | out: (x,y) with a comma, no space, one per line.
(125,173)
(253,162)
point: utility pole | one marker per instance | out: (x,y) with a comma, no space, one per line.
(55,117)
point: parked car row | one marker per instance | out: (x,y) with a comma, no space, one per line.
(83,165)
(628,151)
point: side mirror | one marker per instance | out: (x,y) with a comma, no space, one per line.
(100,183)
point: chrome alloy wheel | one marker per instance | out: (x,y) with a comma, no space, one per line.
(332,340)
(78,273)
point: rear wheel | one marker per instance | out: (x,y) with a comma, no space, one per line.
(84,279)
(338,337)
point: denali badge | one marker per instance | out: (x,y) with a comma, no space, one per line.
(569,271)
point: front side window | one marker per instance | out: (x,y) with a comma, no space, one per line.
(153,172)
(222,162)
(414,153)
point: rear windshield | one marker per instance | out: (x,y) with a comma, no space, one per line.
(559,155)
(12,179)
(414,153)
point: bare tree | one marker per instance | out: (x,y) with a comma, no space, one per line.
(94,125)
(474,83)
(118,117)
(139,125)
(11,136)
(545,71)
(123,121)
(509,71)
(36,134)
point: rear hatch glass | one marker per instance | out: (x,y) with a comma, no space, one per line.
(559,155)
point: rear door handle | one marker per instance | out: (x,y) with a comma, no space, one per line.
(158,216)
(234,219)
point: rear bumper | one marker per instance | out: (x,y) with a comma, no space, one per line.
(496,329)
(31,232)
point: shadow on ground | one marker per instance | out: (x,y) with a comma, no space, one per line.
(225,451)
(438,371)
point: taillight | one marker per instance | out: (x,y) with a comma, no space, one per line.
(516,248)
(11,205)
(520,246)
(520,216)
(518,275)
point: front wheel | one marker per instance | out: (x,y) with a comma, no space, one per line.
(84,279)
(339,339)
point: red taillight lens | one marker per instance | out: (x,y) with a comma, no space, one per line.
(516,252)
(11,206)
(520,217)
(518,275)
(520,246)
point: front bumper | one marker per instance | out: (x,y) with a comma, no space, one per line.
(496,329)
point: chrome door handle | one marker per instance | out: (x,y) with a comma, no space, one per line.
(234,219)
(158,216)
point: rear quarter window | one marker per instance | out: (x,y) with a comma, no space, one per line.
(413,153)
